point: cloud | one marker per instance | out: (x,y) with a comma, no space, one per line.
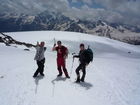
(123,11)
(94,14)
(128,9)
(20,6)
(56,5)
(84,1)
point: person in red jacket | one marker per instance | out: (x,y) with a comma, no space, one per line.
(62,53)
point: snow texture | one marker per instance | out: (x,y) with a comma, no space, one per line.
(113,78)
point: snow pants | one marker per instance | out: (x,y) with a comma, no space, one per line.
(40,68)
(61,65)
(82,66)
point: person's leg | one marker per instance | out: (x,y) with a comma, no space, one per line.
(42,67)
(38,69)
(59,67)
(84,72)
(65,71)
(60,71)
(77,72)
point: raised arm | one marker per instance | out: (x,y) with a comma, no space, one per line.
(37,45)
(54,47)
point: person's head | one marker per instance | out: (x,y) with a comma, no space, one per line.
(59,43)
(42,44)
(82,46)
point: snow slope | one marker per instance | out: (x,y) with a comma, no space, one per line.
(113,78)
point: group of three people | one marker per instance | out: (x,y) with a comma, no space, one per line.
(62,54)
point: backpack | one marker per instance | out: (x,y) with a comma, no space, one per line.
(88,55)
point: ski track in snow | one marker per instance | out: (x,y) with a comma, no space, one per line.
(113,78)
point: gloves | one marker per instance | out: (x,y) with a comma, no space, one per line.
(74,56)
(54,45)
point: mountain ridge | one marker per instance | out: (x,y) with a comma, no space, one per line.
(59,22)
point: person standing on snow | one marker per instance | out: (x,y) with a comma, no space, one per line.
(84,60)
(62,53)
(40,58)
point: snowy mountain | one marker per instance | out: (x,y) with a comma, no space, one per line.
(113,78)
(57,21)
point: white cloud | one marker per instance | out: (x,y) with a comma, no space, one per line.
(125,11)
(84,1)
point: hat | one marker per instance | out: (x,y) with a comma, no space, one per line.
(82,45)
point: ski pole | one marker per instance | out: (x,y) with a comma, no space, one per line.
(54,41)
(54,45)
(72,67)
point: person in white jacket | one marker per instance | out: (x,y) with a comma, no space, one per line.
(40,58)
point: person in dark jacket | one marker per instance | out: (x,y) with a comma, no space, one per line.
(82,65)
(62,53)
(40,58)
